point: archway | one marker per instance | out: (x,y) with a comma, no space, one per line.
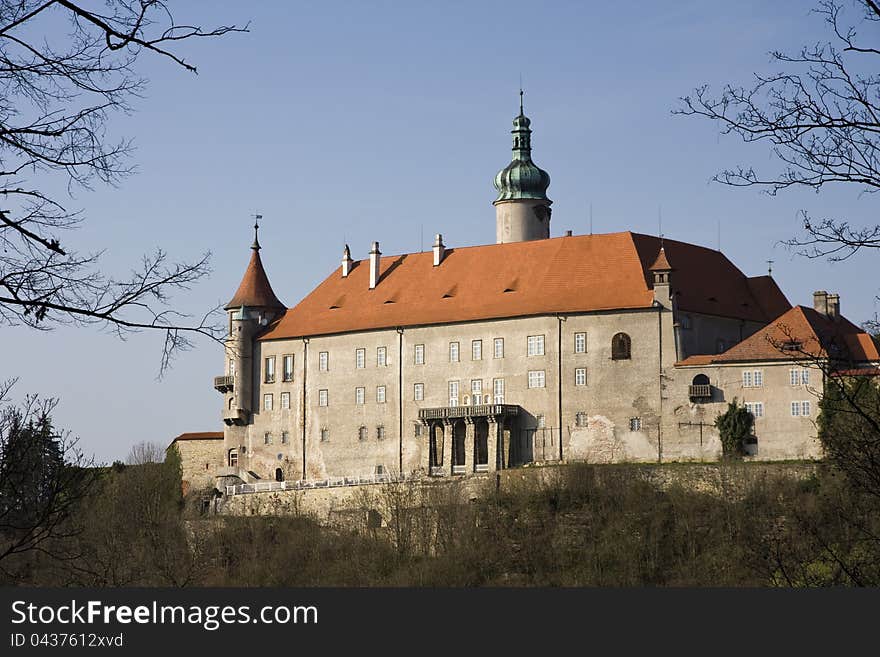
(481,445)
(435,451)
(459,429)
(279,474)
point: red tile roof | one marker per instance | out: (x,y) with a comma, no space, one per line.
(661,263)
(200,435)
(559,275)
(254,290)
(807,333)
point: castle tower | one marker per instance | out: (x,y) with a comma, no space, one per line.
(252,307)
(522,209)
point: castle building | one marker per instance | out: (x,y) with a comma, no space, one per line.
(464,359)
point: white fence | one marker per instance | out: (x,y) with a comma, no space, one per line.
(331,482)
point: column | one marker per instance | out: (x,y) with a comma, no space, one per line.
(447,446)
(492,443)
(469,444)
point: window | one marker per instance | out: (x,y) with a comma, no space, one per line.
(380,394)
(477,391)
(233,458)
(621,347)
(325,434)
(801,408)
(580,343)
(686,322)
(419,354)
(753,378)
(269,369)
(755,408)
(580,419)
(805,408)
(322,398)
(285,437)
(362,433)
(359,395)
(498,391)
(287,368)
(535,345)
(417,429)
(267,401)
(580,376)
(267,438)
(542,423)
(381,356)
(536,378)
(231,367)
(476,350)
(635,424)
(360,358)
(453,393)
(799,377)
(453,352)
(380,433)
(795,409)
(285,401)
(499,347)
(324,361)
(418,391)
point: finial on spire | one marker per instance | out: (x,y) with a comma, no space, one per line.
(256,244)
(521,100)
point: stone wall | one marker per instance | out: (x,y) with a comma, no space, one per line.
(351,505)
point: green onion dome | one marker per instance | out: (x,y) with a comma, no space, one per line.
(522,178)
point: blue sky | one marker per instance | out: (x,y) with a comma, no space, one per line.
(384,121)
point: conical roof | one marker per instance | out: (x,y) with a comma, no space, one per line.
(254,290)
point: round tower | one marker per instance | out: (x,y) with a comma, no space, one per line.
(250,310)
(522,209)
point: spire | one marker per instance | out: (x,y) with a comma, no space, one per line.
(520,102)
(256,245)
(254,291)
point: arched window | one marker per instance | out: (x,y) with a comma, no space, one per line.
(279,474)
(621,347)
(701,380)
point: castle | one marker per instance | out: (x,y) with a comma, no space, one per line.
(607,347)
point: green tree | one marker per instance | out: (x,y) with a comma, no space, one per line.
(44,478)
(734,425)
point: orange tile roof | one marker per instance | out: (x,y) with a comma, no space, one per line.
(254,290)
(559,275)
(810,334)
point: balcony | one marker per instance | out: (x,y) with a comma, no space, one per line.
(698,393)
(454,412)
(237,416)
(224,383)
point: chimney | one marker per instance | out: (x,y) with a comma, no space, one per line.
(374,265)
(439,249)
(834,306)
(820,301)
(346,261)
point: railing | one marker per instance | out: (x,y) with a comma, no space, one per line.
(482,410)
(224,383)
(330,482)
(700,391)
